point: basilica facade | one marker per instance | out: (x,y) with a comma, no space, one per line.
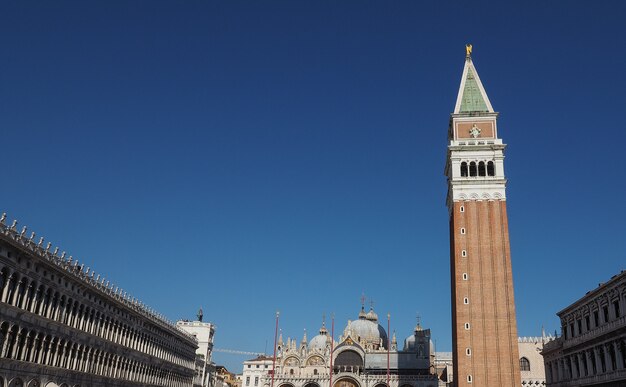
(364,356)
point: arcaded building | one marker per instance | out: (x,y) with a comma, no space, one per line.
(592,348)
(63,325)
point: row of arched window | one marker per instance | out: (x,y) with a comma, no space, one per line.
(20,291)
(29,345)
(480,168)
(605,358)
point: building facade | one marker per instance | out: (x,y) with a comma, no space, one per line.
(257,371)
(204,333)
(591,350)
(364,356)
(531,365)
(532,370)
(484,329)
(63,325)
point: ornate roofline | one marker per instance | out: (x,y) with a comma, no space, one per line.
(88,277)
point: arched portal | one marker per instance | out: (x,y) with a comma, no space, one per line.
(311,384)
(381,385)
(348,361)
(286,385)
(33,383)
(17,382)
(346,382)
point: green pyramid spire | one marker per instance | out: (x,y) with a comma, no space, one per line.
(472,97)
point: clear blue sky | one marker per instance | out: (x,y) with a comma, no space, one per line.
(255,156)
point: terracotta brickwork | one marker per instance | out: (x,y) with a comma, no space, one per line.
(484,331)
(483,296)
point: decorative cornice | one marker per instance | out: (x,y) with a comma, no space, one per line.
(80,273)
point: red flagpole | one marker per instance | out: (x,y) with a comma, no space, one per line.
(388,325)
(332,344)
(274,361)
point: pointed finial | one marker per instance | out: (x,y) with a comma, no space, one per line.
(468,50)
(23,231)
(14,225)
(3,218)
(363,300)
(32,236)
(40,242)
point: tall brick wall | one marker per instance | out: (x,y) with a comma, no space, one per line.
(490,308)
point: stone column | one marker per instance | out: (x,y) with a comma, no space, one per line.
(25,355)
(15,349)
(42,351)
(5,342)
(16,291)
(7,286)
(581,363)
(607,357)
(34,352)
(40,308)
(596,353)
(35,298)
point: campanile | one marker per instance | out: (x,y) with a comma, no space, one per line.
(484,329)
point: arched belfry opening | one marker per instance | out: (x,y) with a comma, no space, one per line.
(348,361)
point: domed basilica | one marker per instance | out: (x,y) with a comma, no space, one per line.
(363,357)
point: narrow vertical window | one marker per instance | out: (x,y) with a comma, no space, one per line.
(524,364)
(467,326)
(481,169)
(463,252)
(468,351)
(463,169)
(464,276)
(462,208)
(472,169)
(466,301)
(491,170)
(469,378)
(462,230)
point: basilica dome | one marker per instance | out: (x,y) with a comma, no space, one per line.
(320,341)
(367,331)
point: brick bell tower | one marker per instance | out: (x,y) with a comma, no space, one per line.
(484,329)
